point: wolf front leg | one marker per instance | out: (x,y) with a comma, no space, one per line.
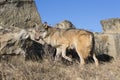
(64,54)
(58,53)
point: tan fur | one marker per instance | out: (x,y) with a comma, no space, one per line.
(80,40)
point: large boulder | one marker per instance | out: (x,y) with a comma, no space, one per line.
(65,24)
(19,13)
(111,25)
(108,42)
(20,43)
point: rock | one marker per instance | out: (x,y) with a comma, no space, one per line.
(20,44)
(108,44)
(65,24)
(1,27)
(18,13)
(111,25)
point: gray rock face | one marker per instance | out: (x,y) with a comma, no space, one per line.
(20,43)
(19,13)
(111,25)
(65,25)
(108,42)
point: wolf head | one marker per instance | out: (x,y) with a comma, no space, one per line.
(41,31)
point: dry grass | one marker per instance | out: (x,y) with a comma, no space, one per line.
(18,69)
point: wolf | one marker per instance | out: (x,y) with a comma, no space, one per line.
(80,40)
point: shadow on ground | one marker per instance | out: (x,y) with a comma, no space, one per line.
(101,57)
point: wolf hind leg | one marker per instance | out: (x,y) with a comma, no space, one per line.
(95,59)
(82,61)
(79,52)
